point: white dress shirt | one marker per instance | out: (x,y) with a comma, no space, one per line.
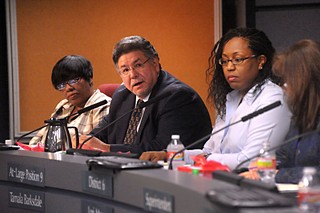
(143,109)
(244,140)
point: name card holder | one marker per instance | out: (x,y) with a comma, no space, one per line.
(155,201)
(98,183)
(26,199)
(26,174)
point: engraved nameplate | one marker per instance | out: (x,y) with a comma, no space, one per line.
(26,174)
(98,183)
(26,199)
(94,207)
(156,201)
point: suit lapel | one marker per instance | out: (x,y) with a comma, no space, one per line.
(145,117)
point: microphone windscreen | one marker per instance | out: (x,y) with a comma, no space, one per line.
(86,109)
(260,111)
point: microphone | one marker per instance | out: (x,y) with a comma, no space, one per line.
(140,106)
(32,131)
(243,119)
(238,170)
(86,109)
(260,111)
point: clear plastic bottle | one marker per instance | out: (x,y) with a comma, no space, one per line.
(174,146)
(266,164)
(309,191)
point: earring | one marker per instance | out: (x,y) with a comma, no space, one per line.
(261,67)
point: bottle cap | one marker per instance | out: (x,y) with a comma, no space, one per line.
(177,137)
(266,145)
(309,170)
(8,142)
(195,171)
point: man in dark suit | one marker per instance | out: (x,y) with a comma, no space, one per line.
(181,112)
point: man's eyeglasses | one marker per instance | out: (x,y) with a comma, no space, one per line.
(234,61)
(71,82)
(124,71)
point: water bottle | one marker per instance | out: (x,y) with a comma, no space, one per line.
(174,146)
(266,164)
(309,191)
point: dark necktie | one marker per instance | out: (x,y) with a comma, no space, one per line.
(133,124)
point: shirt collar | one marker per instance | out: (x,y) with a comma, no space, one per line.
(145,99)
(249,97)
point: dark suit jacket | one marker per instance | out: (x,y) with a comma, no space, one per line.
(299,153)
(182,112)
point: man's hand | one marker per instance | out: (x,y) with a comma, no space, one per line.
(154,156)
(93,144)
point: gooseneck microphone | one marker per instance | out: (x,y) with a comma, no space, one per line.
(107,126)
(86,109)
(32,131)
(238,170)
(243,119)
(140,106)
(260,111)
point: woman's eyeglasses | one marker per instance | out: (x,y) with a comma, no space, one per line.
(234,61)
(71,82)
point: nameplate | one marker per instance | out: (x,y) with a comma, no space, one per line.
(94,207)
(26,174)
(26,199)
(159,202)
(98,183)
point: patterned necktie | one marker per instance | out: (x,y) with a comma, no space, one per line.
(133,124)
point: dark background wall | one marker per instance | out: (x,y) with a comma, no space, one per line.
(284,21)
(4,97)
